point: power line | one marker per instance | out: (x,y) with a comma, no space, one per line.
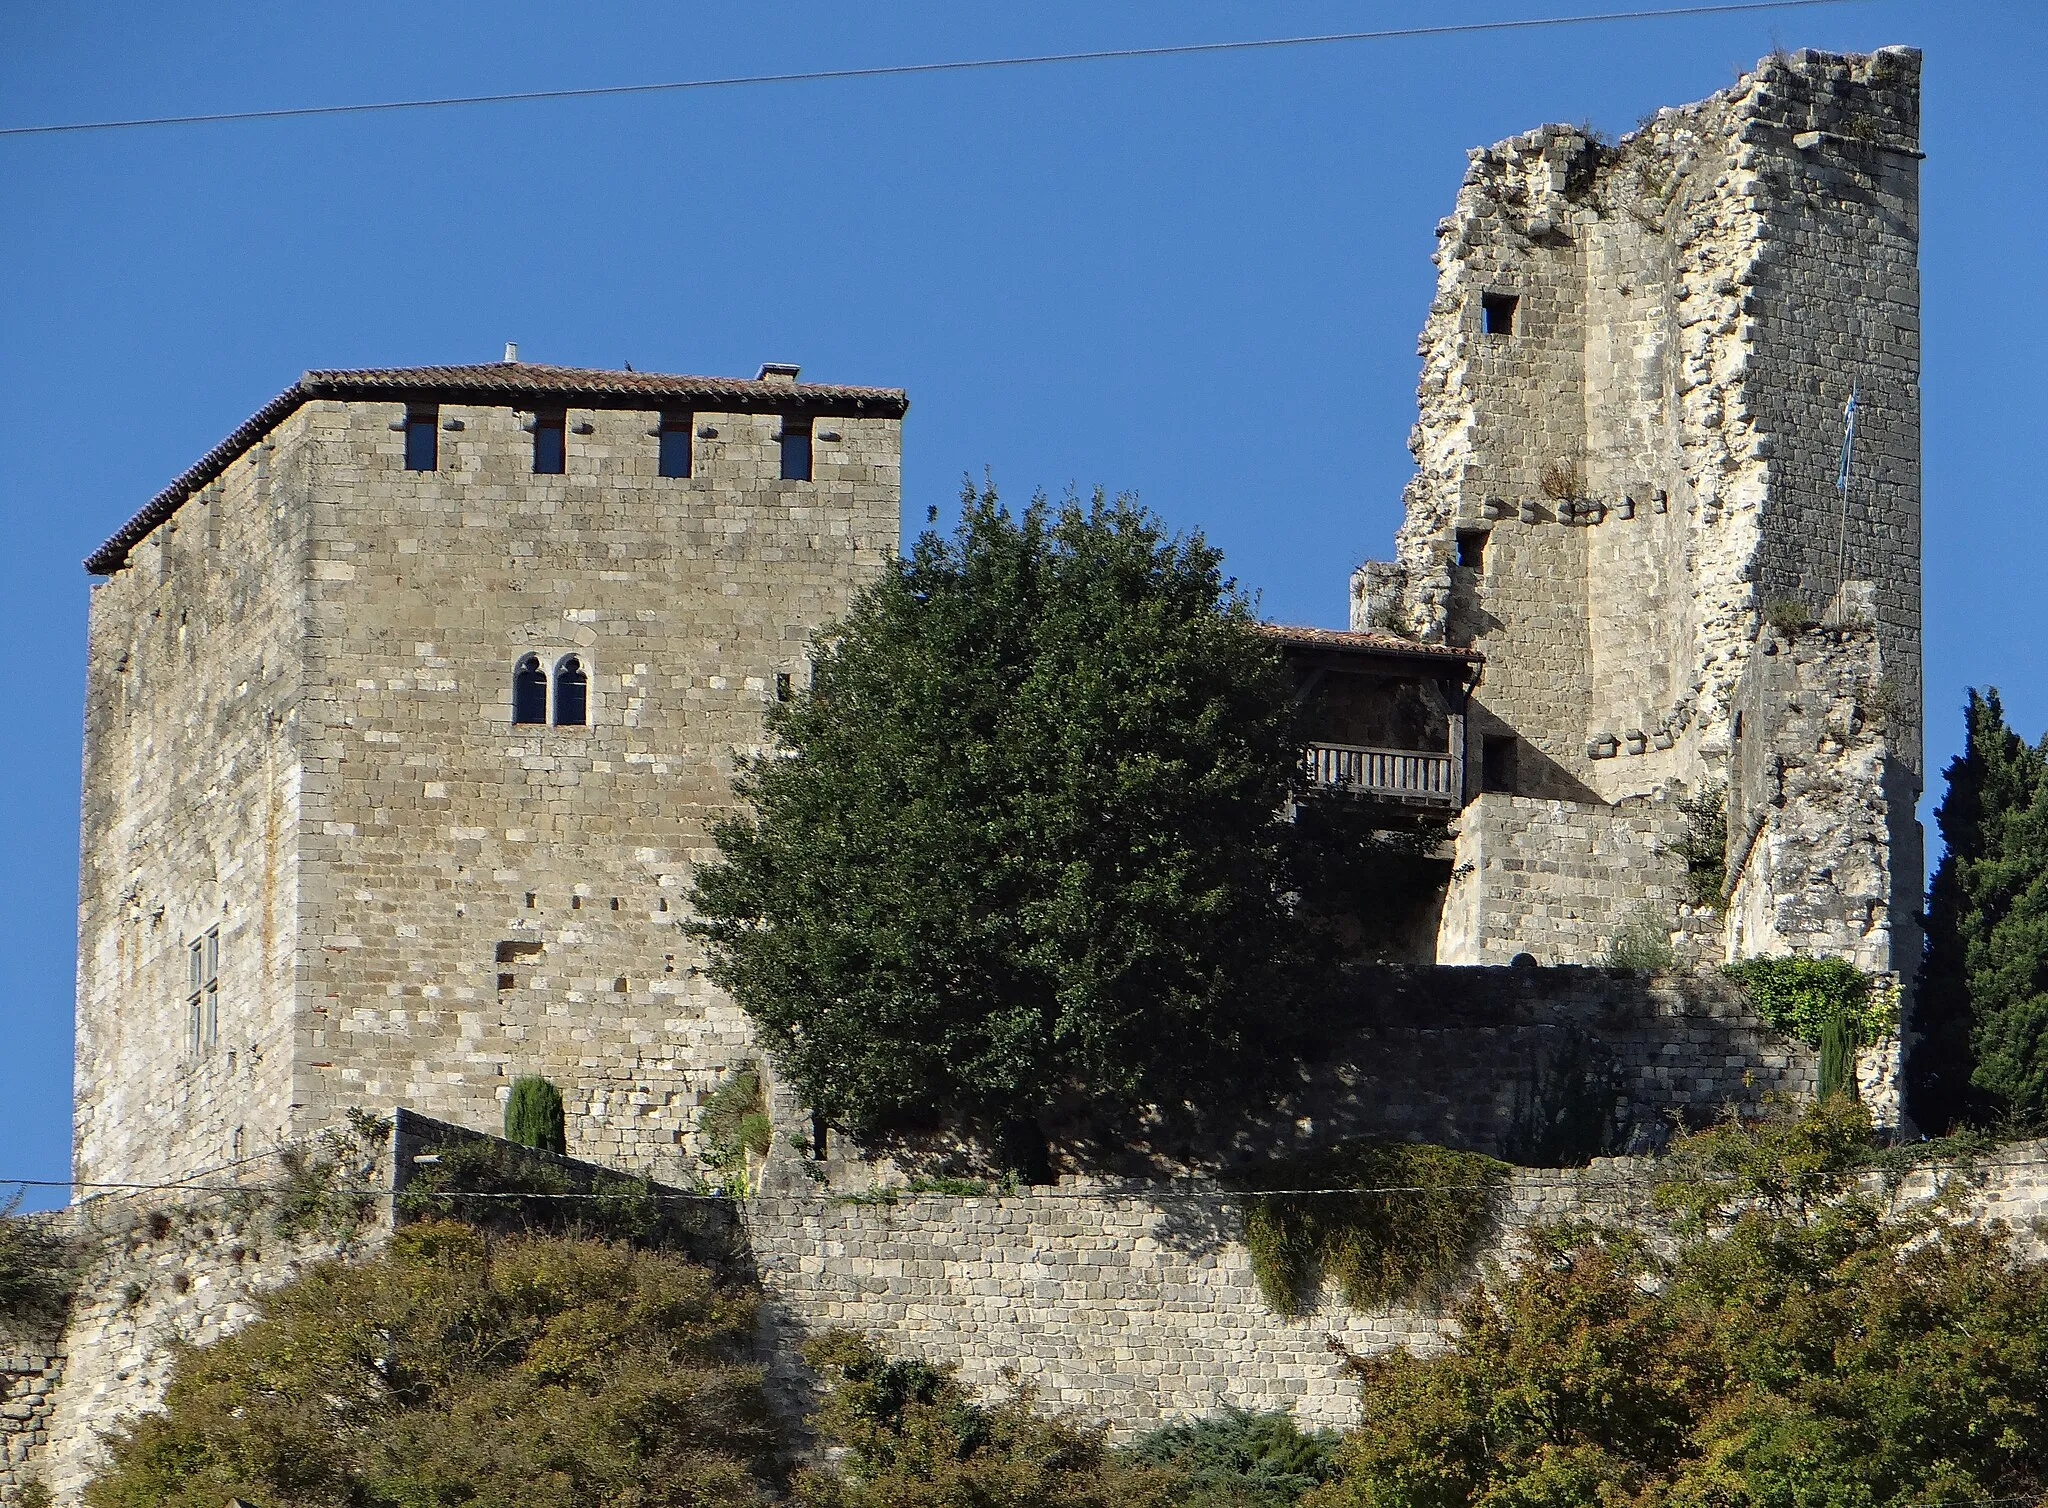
(902,70)
(882,1194)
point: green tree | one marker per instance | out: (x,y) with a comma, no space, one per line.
(1019,842)
(456,1370)
(533,1115)
(914,1438)
(1983,1001)
(1810,1342)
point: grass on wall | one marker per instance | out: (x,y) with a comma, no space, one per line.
(1407,1224)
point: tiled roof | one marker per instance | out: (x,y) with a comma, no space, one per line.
(1347,641)
(486,383)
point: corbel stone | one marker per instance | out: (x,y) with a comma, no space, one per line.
(1606,746)
(1635,741)
(1529,511)
(1494,507)
(1626,507)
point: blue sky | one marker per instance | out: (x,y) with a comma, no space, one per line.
(1199,279)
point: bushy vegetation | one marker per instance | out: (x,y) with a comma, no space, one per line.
(1642,942)
(1801,996)
(534,1115)
(1703,847)
(1238,1459)
(328,1186)
(496,1188)
(914,1438)
(1018,844)
(38,1265)
(1808,1343)
(458,1369)
(1983,1001)
(734,1121)
(1411,1230)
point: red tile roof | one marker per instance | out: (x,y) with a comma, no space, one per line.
(1348,641)
(487,383)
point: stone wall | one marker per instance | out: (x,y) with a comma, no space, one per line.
(190,822)
(1558,880)
(31,1368)
(1824,850)
(161,1269)
(1645,442)
(300,731)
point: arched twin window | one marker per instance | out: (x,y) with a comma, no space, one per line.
(571,700)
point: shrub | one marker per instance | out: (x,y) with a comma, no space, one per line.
(458,1369)
(1644,942)
(1410,1230)
(1837,1057)
(534,1117)
(495,1187)
(1704,845)
(1788,615)
(1238,1459)
(1810,1344)
(38,1264)
(1561,480)
(1799,996)
(914,1438)
(736,1126)
(1564,1113)
(329,1185)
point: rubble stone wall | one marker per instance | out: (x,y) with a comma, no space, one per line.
(1646,442)
(190,822)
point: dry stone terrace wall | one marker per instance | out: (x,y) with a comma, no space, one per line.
(190,821)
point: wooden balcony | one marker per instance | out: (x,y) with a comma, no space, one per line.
(1406,775)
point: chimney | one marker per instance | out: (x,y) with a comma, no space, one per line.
(511,350)
(777,371)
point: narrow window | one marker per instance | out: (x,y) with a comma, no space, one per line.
(1472,549)
(783,689)
(202,997)
(796,449)
(530,692)
(676,428)
(572,694)
(1497,762)
(422,436)
(1497,313)
(550,442)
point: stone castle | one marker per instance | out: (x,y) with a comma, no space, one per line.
(411,703)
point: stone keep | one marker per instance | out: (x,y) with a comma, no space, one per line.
(1634,376)
(322,865)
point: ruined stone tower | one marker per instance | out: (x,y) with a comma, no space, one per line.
(1635,372)
(408,707)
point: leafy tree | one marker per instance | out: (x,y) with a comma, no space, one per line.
(1809,1343)
(455,1370)
(914,1438)
(533,1115)
(1983,1007)
(1019,841)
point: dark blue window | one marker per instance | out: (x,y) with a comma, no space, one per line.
(572,694)
(422,437)
(530,692)
(675,443)
(796,450)
(550,445)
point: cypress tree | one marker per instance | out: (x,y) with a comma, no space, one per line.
(533,1115)
(1983,1006)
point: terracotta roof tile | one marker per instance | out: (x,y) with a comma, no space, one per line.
(498,382)
(1364,643)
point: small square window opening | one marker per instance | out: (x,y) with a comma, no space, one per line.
(422,437)
(677,433)
(1472,549)
(1497,313)
(1497,762)
(550,442)
(796,450)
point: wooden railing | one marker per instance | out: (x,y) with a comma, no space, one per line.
(1383,772)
